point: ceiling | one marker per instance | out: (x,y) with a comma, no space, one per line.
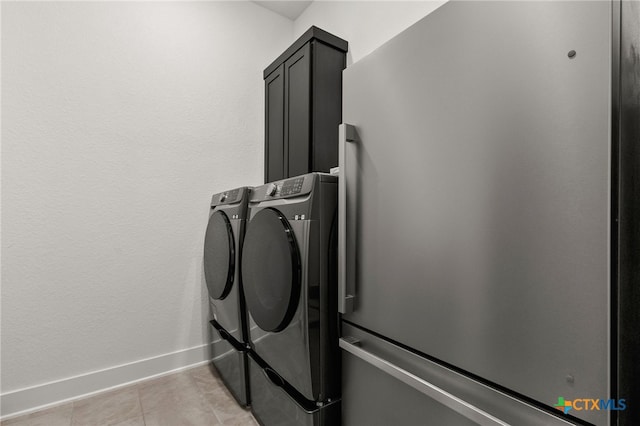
(288,8)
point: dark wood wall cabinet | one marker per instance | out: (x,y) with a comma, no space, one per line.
(303,106)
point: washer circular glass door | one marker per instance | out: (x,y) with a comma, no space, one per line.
(271,271)
(219,256)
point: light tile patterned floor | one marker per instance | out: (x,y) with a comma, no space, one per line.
(194,397)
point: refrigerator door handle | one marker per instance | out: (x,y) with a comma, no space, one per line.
(346,246)
(460,406)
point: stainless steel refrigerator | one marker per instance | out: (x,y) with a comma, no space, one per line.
(489,234)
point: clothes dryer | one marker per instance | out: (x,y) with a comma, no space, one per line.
(222,247)
(289,273)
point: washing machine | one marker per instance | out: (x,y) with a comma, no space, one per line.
(289,275)
(222,247)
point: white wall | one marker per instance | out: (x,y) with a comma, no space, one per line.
(120,120)
(364,24)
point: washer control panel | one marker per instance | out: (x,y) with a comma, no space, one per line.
(284,188)
(227,197)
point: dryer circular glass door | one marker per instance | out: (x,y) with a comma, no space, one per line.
(271,271)
(219,255)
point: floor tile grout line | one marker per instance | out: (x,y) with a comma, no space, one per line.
(203,399)
(215,414)
(73,412)
(144,421)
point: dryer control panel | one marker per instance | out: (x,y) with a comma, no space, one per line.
(286,188)
(291,186)
(228,197)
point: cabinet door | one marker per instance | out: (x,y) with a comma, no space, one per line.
(326,110)
(297,104)
(274,167)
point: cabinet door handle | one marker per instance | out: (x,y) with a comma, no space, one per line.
(458,405)
(346,248)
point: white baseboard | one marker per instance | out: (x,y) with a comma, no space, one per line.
(34,398)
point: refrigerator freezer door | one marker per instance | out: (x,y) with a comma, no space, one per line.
(406,389)
(478,192)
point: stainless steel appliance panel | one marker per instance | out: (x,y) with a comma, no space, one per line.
(479,193)
(407,389)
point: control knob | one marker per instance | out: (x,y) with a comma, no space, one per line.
(223,197)
(272,189)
